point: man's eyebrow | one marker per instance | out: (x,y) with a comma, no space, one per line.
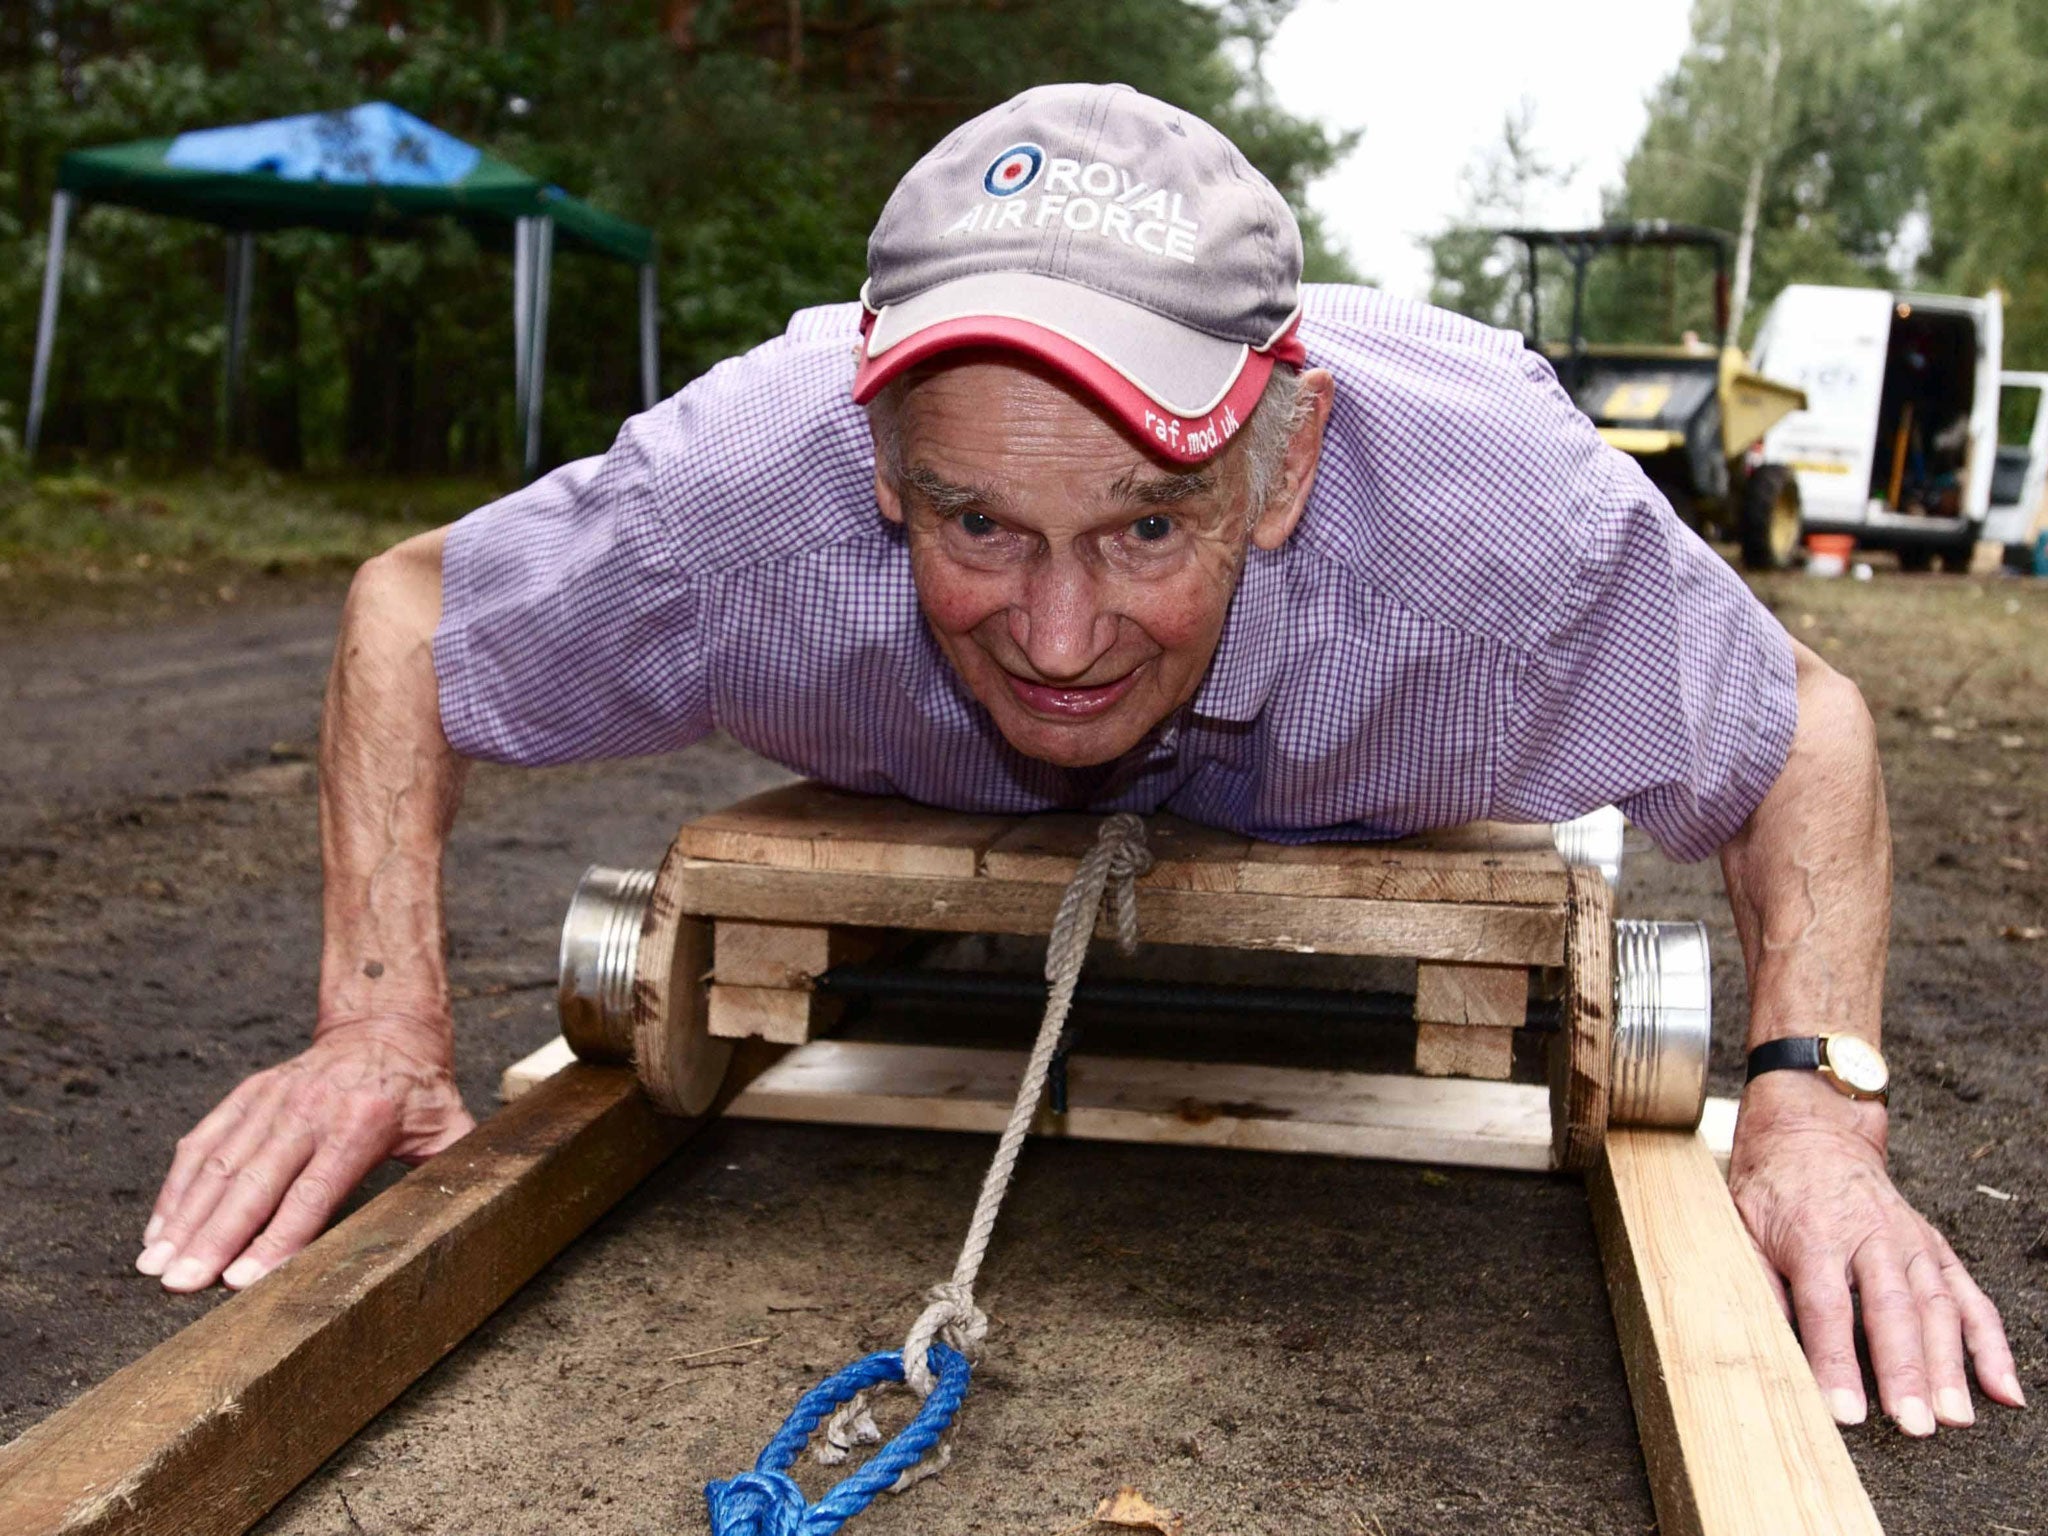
(943,495)
(1163,490)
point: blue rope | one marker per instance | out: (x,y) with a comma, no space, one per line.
(767,1501)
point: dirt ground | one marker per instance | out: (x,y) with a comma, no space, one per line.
(1268,1344)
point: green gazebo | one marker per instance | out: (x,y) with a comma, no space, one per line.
(371,169)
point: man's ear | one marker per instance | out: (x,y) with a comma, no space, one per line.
(887,496)
(1298,469)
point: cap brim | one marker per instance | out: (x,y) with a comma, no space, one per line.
(1184,393)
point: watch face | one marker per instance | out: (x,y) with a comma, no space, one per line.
(1857,1064)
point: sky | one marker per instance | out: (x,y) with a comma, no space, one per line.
(1430,82)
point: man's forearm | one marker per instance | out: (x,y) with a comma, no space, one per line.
(1809,876)
(389,788)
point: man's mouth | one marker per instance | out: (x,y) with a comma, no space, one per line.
(1069,703)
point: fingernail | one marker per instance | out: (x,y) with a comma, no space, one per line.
(1846,1406)
(190,1274)
(2011,1386)
(149,1233)
(244,1271)
(1952,1406)
(1914,1418)
(153,1258)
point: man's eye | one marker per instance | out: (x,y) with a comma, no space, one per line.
(977,525)
(1151,530)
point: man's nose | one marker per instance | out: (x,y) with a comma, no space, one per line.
(1061,626)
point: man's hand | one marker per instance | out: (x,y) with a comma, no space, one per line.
(281,1152)
(1808,1174)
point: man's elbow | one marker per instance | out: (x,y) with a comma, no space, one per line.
(1835,723)
(397,594)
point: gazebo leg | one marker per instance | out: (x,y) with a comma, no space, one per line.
(46,321)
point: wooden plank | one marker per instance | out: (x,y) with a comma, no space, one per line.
(1492,995)
(1186,856)
(808,826)
(1735,1434)
(1266,1109)
(1397,872)
(1581,1062)
(781,1015)
(788,954)
(1717,1125)
(1468,932)
(1486,862)
(218,1423)
(1465,1050)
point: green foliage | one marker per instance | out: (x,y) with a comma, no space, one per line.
(1986,127)
(224,521)
(759,152)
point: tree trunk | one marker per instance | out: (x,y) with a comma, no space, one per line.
(1753,190)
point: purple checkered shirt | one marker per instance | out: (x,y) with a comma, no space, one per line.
(1484,613)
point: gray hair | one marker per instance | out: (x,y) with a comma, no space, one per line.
(1260,446)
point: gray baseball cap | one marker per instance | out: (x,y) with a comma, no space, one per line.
(1115,238)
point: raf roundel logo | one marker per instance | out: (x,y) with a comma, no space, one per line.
(1013,170)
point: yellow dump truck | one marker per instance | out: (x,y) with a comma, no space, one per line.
(1692,412)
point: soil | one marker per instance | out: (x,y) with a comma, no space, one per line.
(1267,1344)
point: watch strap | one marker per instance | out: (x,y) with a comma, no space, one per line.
(1797,1052)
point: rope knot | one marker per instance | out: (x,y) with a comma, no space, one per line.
(756,1504)
(951,1316)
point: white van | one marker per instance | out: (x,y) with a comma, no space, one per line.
(1899,442)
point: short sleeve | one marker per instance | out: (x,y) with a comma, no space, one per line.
(572,612)
(1665,686)
(567,624)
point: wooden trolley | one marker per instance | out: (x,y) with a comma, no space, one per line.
(709,986)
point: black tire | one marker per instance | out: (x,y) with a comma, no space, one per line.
(1771,522)
(1916,559)
(1956,557)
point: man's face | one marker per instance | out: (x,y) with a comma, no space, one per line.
(1077,583)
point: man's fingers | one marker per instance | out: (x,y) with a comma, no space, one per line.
(1891,1322)
(1827,1331)
(339,1165)
(211,1162)
(1941,1338)
(192,1150)
(246,1201)
(1983,1331)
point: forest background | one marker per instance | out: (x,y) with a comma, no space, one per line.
(1864,141)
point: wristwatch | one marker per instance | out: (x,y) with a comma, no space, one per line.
(1853,1065)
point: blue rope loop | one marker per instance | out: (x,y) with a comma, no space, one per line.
(767,1501)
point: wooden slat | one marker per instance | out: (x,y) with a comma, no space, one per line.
(1496,996)
(1736,1437)
(789,954)
(1267,1109)
(1464,1050)
(807,826)
(1186,856)
(215,1425)
(781,1015)
(1504,935)
(1486,862)
(1717,1126)
(1581,1054)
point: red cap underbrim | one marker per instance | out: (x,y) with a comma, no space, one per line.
(1182,439)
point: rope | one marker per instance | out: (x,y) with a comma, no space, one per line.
(766,1502)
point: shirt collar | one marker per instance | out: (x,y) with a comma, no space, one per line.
(1248,654)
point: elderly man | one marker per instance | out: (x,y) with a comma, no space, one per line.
(1128,522)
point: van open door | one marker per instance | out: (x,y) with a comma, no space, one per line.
(2020,472)
(1984,409)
